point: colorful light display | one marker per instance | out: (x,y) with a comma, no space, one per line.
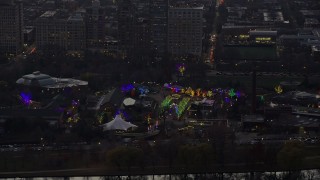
(72,112)
(100,117)
(278,89)
(166,102)
(149,119)
(231,93)
(123,114)
(181,68)
(26,98)
(73,119)
(182,106)
(210,93)
(127,87)
(143,90)
(238,94)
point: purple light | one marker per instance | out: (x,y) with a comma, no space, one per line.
(123,113)
(127,87)
(227,100)
(238,94)
(60,109)
(26,98)
(75,103)
(179,66)
(177,89)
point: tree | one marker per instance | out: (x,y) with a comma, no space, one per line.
(169,149)
(204,155)
(186,155)
(196,156)
(218,135)
(125,156)
(291,155)
(270,156)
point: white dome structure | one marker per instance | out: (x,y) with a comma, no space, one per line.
(118,124)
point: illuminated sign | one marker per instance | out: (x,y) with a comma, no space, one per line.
(263,38)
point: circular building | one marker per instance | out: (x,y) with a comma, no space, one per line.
(44,84)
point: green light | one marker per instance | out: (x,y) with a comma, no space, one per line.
(166,102)
(182,106)
(232,93)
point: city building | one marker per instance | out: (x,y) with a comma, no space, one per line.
(11,27)
(159,25)
(263,36)
(95,25)
(57,29)
(306,37)
(126,23)
(297,98)
(315,52)
(110,45)
(29,34)
(142,36)
(185,30)
(253,122)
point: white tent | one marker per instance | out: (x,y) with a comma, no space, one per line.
(129,102)
(117,124)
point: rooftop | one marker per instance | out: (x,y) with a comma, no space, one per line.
(48,14)
(44,80)
(75,17)
(263,32)
(187,6)
(252,118)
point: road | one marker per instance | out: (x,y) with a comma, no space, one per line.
(104,172)
(237,74)
(213,37)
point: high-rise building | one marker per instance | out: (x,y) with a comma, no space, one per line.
(11,27)
(95,25)
(142,36)
(159,25)
(57,29)
(185,30)
(126,26)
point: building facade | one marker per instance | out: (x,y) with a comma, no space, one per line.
(142,36)
(11,27)
(95,25)
(56,29)
(126,26)
(159,26)
(185,30)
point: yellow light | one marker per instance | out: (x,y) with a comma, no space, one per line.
(243,36)
(278,89)
(263,39)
